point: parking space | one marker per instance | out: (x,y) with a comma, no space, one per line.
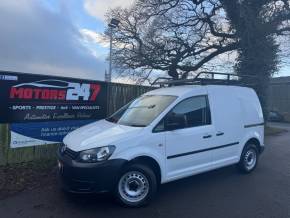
(221,193)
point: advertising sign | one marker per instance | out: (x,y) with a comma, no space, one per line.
(43,109)
(39,98)
(39,133)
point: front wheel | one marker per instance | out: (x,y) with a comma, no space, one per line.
(136,186)
(249,159)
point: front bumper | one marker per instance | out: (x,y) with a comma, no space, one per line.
(97,177)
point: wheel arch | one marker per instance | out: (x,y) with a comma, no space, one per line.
(256,142)
(150,162)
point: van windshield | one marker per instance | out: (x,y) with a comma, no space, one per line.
(142,111)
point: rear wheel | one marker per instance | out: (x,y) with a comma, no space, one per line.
(249,158)
(136,186)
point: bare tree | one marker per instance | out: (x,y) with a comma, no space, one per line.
(181,36)
(177,37)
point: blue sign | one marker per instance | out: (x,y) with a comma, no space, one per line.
(38,133)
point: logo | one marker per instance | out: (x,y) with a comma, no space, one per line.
(55,90)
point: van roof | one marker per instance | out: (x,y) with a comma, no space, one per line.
(190,89)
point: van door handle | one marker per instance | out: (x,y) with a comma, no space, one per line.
(220,133)
(207,136)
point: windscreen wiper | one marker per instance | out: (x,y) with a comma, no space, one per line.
(137,125)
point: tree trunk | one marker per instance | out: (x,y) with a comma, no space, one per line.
(258,58)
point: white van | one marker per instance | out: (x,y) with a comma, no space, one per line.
(164,135)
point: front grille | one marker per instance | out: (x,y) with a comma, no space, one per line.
(71,153)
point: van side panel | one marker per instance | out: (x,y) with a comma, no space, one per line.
(253,121)
(252,111)
(226,117)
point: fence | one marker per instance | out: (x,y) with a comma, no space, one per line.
(118,95)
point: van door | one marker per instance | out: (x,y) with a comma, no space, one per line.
(226,117)
(187,147)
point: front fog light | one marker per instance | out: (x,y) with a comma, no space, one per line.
(97,154)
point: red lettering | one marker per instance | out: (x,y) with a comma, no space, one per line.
(45,94)
(96,88)
(37,93)
(53,94)
(61,95)
(16,93)
(27,94)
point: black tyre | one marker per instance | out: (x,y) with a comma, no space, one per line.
(136,186)
(249,159)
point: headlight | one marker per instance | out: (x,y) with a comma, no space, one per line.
(97,154)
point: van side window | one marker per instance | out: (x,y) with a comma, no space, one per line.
(195,110)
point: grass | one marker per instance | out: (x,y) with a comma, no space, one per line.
(15,178)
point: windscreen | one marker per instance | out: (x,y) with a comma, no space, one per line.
(142,111)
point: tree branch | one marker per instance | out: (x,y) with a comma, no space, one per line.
(206,59)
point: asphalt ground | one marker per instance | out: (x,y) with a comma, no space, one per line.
(221,193)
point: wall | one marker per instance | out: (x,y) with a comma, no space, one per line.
(118,95)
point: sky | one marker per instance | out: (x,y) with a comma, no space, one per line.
(55,37)
(58,37)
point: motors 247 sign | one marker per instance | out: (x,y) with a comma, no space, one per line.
(43,109)
(39,98)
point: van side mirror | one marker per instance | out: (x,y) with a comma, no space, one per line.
(174,121)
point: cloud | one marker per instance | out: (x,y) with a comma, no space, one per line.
(91,36)
(98,8)
(34,39)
